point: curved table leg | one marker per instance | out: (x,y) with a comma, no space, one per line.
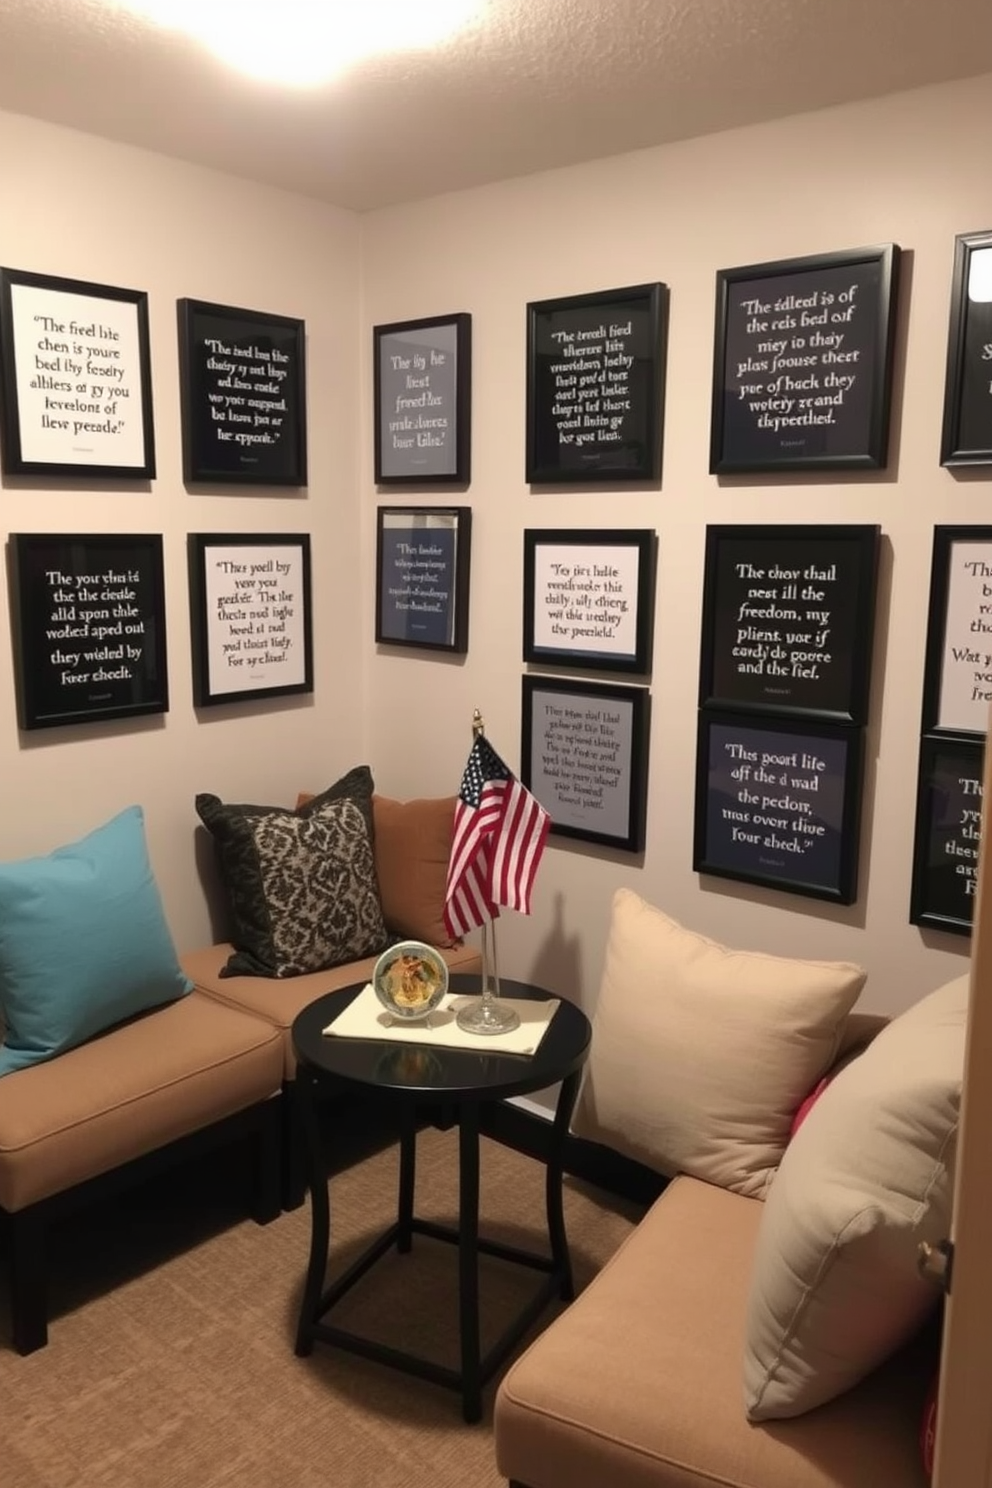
(468,1260)
(320,1215)
(554,1177)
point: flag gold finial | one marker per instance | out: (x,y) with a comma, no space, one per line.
(478,724)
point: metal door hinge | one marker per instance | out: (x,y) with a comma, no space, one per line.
(936,1262)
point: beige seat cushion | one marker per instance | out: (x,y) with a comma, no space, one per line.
(279,1001)
(142,1085)
(638,1383)
(701,1054)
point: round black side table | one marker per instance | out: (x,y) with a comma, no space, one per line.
(416,1078)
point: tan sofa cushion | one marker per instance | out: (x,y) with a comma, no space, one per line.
(142,1085)
(639,1382)
(278,1002)
(701,1055)
(868,1177)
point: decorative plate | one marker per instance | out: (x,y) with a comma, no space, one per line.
(410,979)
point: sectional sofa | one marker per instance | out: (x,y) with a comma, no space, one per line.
(765,1325)
(157,1057)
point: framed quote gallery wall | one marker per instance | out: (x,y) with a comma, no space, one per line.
(584,755)
(76,378)
(250,616)
(243,395)
(422,393)
(589,598)
(966,435)
(88,624)
(802,362)
(595,385)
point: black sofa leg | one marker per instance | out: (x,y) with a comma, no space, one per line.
(27,1273)
(266,1200)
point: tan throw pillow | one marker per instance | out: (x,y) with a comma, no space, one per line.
(869,1175)
(412,848)
(701,1055)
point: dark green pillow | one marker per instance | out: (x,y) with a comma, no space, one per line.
(301,884)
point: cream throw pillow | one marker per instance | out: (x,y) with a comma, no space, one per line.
(869,1175)
(701,1055)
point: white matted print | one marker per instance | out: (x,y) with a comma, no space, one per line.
(250,612)
(589,598)
(958,684)
(77,385)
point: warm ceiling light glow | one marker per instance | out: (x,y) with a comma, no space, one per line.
(305,42)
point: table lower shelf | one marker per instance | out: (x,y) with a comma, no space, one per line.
(475,1371)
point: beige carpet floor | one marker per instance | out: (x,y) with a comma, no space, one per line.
(170,1362)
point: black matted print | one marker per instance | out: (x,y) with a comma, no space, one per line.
(595,385)
(787,619)
(243,388)
(803,362)
(89,627)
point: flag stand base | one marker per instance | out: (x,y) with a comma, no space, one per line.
(488,1014)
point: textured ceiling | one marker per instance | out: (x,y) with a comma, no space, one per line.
(531,85)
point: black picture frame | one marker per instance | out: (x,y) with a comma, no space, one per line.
(422,393)
(596,385)
(242,382)
(589,598)
(584,756)
(957,678)
(251,622)
(763,820)
(781,399)
(76,378)
(423,557)
(788,615)
(947,834)
(88,626)
(966,432)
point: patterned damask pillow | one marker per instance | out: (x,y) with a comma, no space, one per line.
(302,884)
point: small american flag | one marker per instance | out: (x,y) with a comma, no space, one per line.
(500,831)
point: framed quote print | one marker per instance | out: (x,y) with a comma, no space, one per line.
(589,598)
(966,436)
(243,395)
(802,363)
(957,686)
(76,378)
(88,621)
(948,833)
(422,389)
(423,557)
(250,616)
(584,755)
(595,385)
(778,803)
(787,619)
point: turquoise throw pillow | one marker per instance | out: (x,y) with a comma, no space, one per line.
(83,942)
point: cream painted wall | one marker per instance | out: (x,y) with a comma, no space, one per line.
(87,209)
(912,169)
